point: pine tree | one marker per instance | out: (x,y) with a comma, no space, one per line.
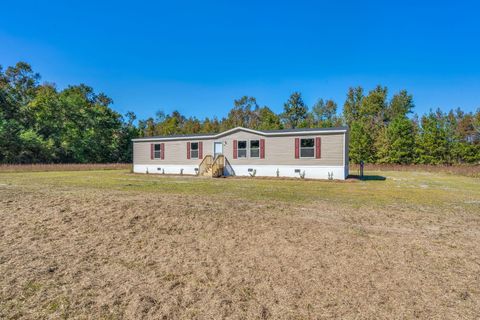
(294,111)
(433,145)
(351,107)
(361,143)
(400,105)
(400,141)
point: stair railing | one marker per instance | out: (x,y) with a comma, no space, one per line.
(205,164)
(218,165)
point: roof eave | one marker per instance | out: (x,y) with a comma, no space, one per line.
(267,134)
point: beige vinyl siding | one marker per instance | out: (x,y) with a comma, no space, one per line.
(175,152)
(346,141)
(279,150)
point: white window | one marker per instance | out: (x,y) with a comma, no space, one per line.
(307,148)
(194,150)
(254,148)
(157,151)
(242,149)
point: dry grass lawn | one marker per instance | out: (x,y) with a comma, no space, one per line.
(115,245)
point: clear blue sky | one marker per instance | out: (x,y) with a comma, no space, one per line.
(197,56)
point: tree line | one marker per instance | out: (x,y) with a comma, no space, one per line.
(41,124)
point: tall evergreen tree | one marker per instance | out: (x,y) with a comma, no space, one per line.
(351,108)
(295,111)
(374,106)
(399,146)
(370,116)
(361,143)
(432,143)
(400,105)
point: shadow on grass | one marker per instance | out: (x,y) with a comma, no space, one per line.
(367,177)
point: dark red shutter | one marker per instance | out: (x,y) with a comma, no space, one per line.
(297,148)
(234,149)
(200,150)
(151,151)
(188,150)
(318,147)
(162,150)
(262,148)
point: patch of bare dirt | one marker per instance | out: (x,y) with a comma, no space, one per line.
(119,255)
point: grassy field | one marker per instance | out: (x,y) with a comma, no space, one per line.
(110,244)
(468,170)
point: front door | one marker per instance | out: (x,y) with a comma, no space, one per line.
(217,149)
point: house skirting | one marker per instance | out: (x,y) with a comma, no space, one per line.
(294,171)
(165,168)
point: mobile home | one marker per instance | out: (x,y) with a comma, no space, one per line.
(320,153)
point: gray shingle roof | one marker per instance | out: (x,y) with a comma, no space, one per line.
(304,129)
(186,136)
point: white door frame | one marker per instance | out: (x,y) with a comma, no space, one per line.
(214,143)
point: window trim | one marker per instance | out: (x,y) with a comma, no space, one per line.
(250,148)
(300,148)
(191,149)
(159,151)
(246,149)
